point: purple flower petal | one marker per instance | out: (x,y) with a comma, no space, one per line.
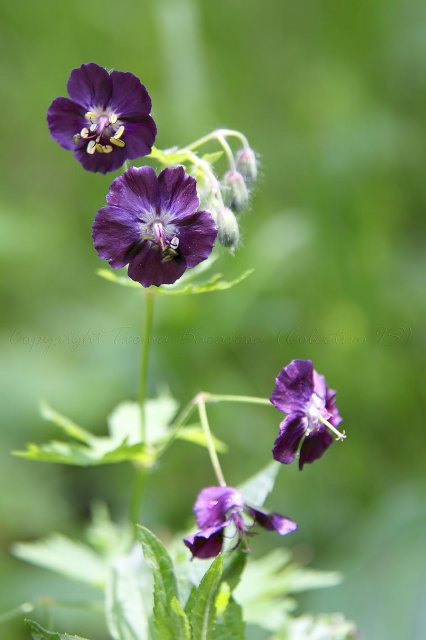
(320,386)
(273,521)
(197,235)
(129,96)
(65,118)
(100,162)
(178,192)
(115,235)
(90,85)
(148,267)
(207,543)
(314,445)
(294,387)
(292,429)
(331,407)
(214,503)
(136,190)
(139,136)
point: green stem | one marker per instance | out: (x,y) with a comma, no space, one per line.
(135,503)
(214,397)
(149,314)
(210,444)
(222,141)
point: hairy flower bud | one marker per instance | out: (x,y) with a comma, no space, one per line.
(228,231)
(247,164)
(235,192)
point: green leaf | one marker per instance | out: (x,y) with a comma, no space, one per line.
(128,600)
(231,626)
(234,568)
(215,283)
(125,420)
(203,612)
(72,559)
(68,426)
(258,487)
(268,582)
(38,633)
(170,623)
(324,627)
(100,451)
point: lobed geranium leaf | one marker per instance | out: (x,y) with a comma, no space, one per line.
(68,426)
(65,556)
(169,620)
(100,451)
(38,633)
(268,582)
(201,605)
(258,487)
(323,627)
(125,420)
(128,600)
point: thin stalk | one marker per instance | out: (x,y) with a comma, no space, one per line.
(214,397)
(149,314)
(136,500)
(339,435)
(175,427)
(228,151)
(210,444)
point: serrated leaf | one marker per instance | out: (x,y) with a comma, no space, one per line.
(169,624)
(65,556)
(231,626)
(234,568)
(128,601)
(258,487)
(203,611)
(38,633)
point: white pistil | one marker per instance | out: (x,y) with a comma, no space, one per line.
(340,436)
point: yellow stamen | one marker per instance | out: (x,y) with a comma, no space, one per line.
(107,148)
(91,147)
(84,132)
(119,132)
(93,127)
(90,115)
(99,148)
(76,138)
(113,118)
(117,142)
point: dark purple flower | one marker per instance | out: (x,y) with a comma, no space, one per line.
(152,224)
(218,507)
(312,418)
(107,120)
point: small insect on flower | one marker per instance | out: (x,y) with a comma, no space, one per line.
(152,224)
(106,121)
(217,508)
(312,418)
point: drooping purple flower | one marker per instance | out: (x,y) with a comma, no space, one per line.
(106,121)
(218,507)
(152,224)
(312,418)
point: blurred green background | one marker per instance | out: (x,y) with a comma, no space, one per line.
(332,95)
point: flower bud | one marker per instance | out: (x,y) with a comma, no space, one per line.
(247,164)
(235,192)
(228,231)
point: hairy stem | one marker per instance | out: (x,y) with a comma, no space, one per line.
(210,444)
